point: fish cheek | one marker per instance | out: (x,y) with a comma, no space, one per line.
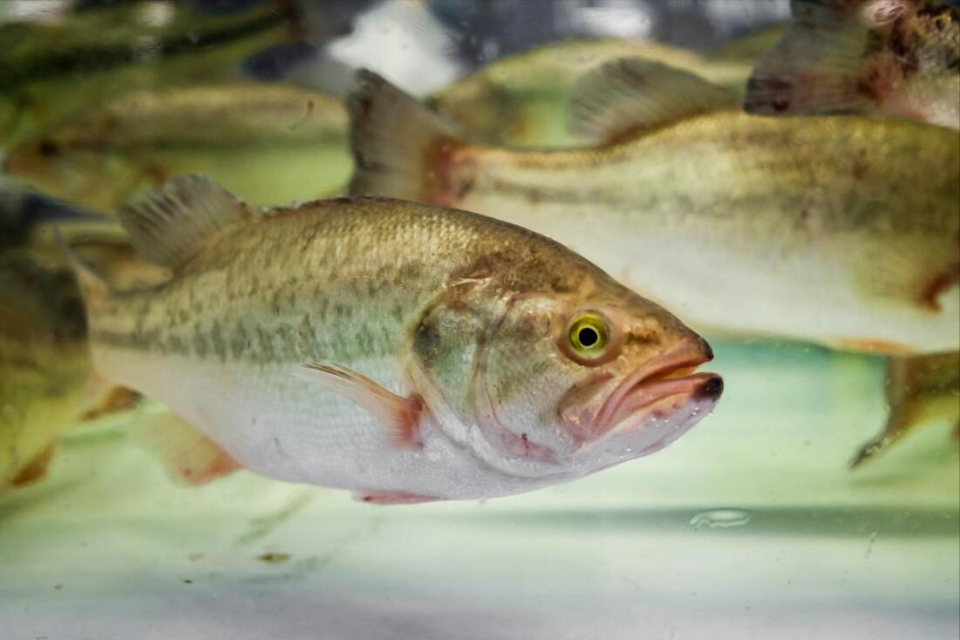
(446,346)
(526,377)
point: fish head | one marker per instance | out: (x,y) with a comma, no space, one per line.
(88,176)
(568,384)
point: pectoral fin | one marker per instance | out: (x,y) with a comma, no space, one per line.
(189,456)
(400,415)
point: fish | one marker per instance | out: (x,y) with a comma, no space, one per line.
(402,351)
(43,364)
(839,231)
(268,143)
(52,71)
(920,391)
(44,359)
(885,58)
(519,101)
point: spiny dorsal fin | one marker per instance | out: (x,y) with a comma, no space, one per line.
(635,94)
(171,225)
(815,67)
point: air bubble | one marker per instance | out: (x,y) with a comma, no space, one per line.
(720,518)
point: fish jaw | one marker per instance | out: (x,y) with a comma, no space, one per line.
(656,424)
(635,406)
(630,402)
(662,378)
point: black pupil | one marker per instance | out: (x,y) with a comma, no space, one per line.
(588,336)
(48,149)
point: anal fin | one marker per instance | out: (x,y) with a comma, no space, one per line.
(920,390)
(190,457)
(111,401)
(393,497)
(36,469)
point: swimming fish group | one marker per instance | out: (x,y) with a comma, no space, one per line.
(395,344)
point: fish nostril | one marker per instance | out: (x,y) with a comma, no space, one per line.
(711,388)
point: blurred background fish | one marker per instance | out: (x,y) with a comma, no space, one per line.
(44,359)
(514,100)
(897,58)
(741,224)
(44,364)
(883,58)
(269,143)
(52,70)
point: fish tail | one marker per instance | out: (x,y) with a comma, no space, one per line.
(825,63)
(401,148)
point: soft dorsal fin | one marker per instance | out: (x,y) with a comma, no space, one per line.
(171,225)
(635,94)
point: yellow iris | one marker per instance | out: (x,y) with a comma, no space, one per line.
(588,335)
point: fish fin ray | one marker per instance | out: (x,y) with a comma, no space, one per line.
(401,415)
(393,497)
(634,94)
(398,143)
(190,457)
(820,66)
(171,225)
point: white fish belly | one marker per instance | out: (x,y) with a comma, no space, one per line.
(277,424)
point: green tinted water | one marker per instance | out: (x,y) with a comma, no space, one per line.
(751,526)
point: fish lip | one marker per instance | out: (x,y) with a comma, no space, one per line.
(657,381)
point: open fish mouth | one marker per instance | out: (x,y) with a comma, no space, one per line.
(639,397)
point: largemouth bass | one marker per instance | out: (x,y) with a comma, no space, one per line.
(51,71)
(521,100)
(403,351)
(896,58)
(840,231)
(267,143)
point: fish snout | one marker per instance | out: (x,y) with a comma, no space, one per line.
(709,389)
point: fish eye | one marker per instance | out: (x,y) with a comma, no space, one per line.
(49,149)
(588,335)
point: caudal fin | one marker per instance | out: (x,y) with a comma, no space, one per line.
(401,149)
(821,65)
